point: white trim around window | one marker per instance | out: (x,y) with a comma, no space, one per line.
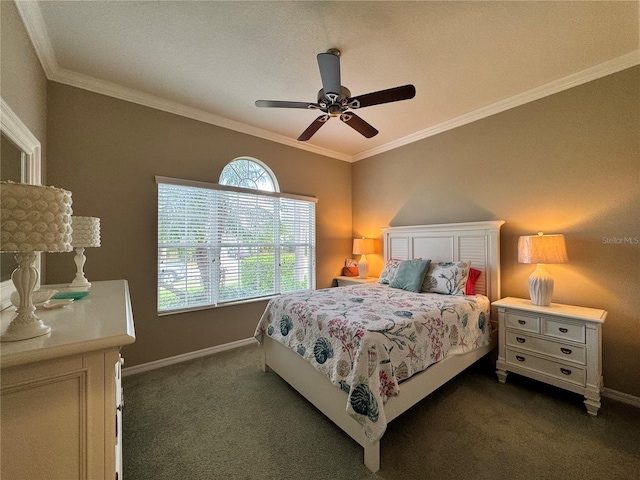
(221,245)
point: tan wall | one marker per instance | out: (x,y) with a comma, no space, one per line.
(24,89)
(24,85)
(107,153)
(568,163)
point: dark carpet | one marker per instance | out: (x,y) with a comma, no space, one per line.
(221,417)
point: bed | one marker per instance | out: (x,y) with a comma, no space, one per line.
(364,354)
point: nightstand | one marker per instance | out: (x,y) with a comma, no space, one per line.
(342,280)
(558,344)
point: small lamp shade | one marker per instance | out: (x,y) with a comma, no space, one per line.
(34,218)
(86,233)
(363,246)
(541,249)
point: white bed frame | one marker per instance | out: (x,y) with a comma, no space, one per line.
(475,241)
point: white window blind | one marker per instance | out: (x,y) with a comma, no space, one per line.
(219,244)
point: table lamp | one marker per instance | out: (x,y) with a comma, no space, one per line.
(86,233)
(541,249)
(34,218)
(363,246)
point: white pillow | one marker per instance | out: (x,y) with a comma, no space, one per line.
(449,278)
(389,271)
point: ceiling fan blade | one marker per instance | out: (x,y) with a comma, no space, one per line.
(329,72)
(279,104)
(313,128)
(404,92)
(358,124)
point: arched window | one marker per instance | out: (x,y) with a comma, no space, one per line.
(235,241)
(250,173)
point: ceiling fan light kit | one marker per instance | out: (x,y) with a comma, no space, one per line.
(336,101)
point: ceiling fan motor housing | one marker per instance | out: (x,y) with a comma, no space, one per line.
(332,103)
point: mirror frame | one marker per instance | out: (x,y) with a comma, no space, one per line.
(21,137)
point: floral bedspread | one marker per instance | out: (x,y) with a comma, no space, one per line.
(368,338)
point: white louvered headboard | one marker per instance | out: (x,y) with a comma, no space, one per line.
(478,242)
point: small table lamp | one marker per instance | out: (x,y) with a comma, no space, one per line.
(541,249)
(34,218)
(363,246)
(86,233)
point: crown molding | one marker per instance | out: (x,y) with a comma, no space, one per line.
(95,85)
(35,26)
(37,31)
(593,73)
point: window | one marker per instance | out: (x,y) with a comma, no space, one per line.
(249,173)
(220,244)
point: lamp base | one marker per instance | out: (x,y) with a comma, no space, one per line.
(540,286)
(25,324)
(21,329)
(363,267)
(80,282)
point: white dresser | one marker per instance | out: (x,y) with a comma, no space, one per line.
(61,405)
(558,344)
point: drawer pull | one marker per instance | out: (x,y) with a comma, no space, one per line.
(519,358)
(520,339)
(563,330)
(566,351)
(522,322)
(566,371)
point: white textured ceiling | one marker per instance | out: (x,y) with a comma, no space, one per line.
(212,59)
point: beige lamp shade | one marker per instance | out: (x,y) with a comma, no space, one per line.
(542,249)
(363,246)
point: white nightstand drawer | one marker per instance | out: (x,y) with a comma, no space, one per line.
(567,373)
(562,351)
(523,322)
(566,331)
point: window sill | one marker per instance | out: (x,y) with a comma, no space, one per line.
(219,305)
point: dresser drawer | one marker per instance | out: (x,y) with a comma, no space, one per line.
(525,323)
(566,331)
(567,373)
(562,351)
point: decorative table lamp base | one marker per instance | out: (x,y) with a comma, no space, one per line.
(540,286)
(25,324)
(363,267)
(80,282)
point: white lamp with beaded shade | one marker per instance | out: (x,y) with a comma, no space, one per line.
(541,249)
(86,233)
(34,218)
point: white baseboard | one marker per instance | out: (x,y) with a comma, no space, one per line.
(621,397)
(145,367)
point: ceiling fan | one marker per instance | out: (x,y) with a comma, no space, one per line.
(335,100)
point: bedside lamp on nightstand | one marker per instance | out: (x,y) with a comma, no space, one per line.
(363,246)
(541,249)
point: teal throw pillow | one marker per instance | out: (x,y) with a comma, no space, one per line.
(410,275)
